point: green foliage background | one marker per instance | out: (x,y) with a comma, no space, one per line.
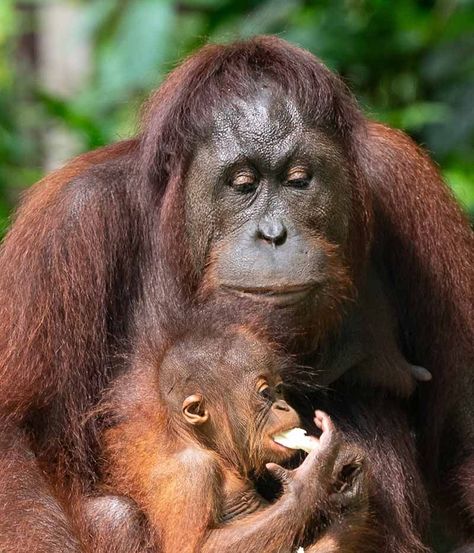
(410,63)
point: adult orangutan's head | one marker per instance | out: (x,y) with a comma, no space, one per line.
(269,187)
(268,203)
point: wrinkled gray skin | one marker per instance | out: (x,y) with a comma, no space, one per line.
(263,187)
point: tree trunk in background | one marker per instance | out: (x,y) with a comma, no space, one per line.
(64,60)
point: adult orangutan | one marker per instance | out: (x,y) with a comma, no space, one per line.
(255,177)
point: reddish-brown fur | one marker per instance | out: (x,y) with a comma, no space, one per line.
(74,261)
(427,249)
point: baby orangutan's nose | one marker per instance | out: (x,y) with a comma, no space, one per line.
(281,405)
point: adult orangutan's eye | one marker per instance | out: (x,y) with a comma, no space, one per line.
(244,182)
(298,177)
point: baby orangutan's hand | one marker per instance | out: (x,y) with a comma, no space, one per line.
(315,475)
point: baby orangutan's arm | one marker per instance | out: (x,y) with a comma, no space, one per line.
(282,525)
(308,492)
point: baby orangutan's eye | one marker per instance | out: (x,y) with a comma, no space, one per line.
(264,390)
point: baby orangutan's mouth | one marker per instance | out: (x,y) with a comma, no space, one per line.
(295,438)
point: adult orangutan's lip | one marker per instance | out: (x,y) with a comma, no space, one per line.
(272,290)
(283,294)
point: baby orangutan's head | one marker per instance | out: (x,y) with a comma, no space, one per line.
(225,390)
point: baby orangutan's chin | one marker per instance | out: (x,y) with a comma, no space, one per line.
(269,452)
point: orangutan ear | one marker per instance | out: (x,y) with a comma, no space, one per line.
(194,411)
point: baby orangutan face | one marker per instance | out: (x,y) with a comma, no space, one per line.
(273,417)
(226,391)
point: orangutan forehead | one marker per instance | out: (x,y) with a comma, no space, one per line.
(265,118)
(263,107)
(267,126)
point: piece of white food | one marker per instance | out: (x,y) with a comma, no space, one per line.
(296,438)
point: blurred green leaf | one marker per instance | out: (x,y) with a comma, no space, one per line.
(415,116)
(461,180)
(138,47)
(66,112)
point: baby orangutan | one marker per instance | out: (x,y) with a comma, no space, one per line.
(194,425)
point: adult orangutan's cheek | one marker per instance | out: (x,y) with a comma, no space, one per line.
(199,220)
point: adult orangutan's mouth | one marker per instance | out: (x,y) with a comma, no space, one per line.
(278,294)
